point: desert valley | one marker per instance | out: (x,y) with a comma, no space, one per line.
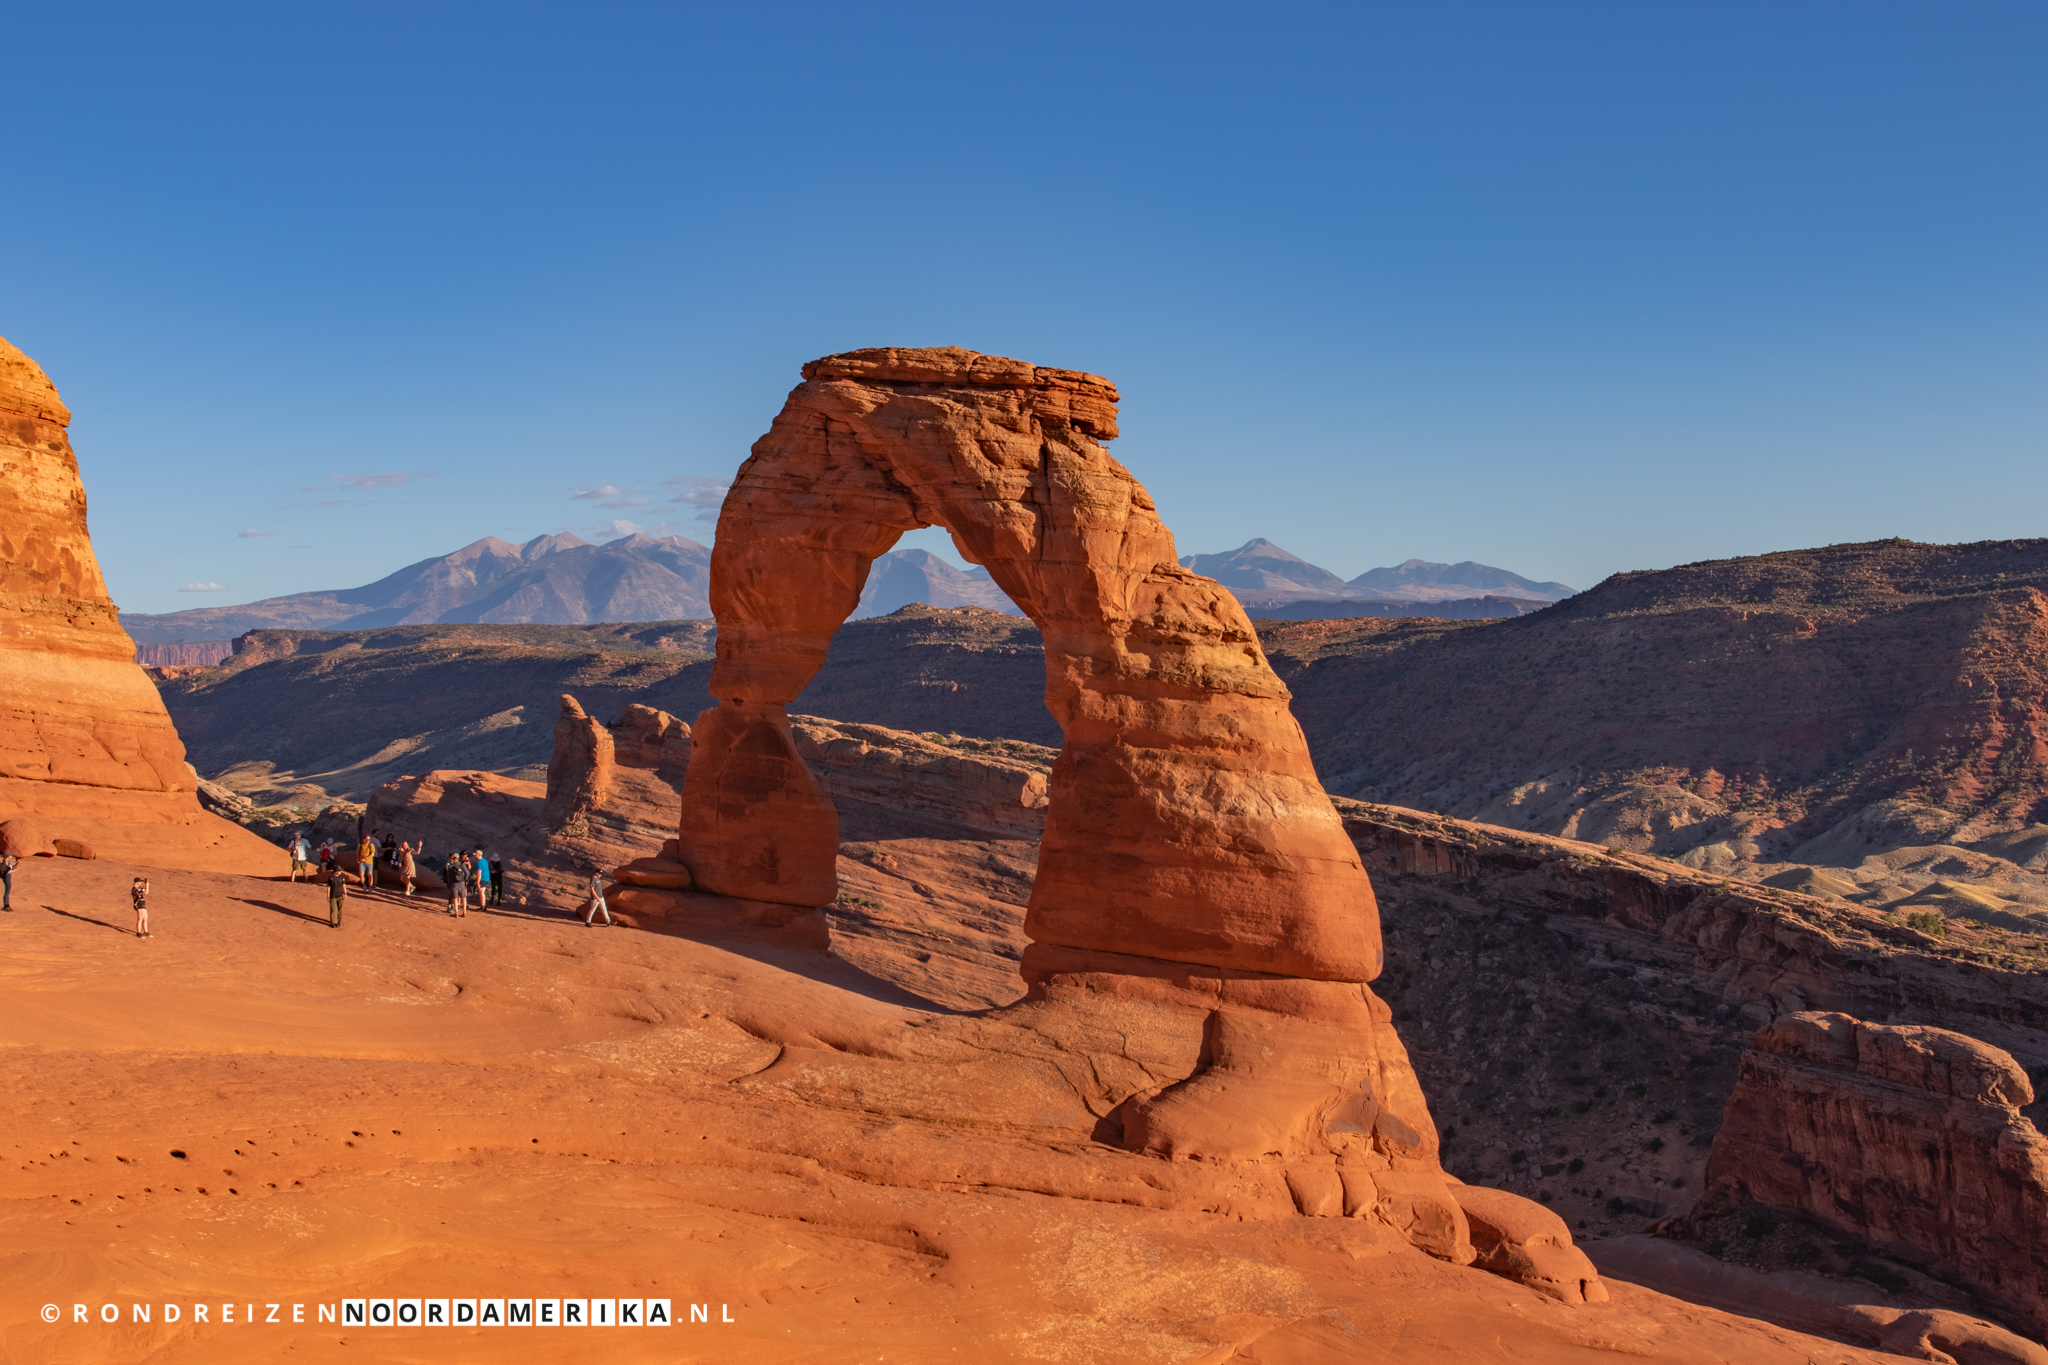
(1116,960)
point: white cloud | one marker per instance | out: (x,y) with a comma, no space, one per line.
(204,587)
(612,530)
(704,495)
(609,495)
(254,535)
(365,483)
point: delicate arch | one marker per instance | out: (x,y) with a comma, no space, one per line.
(1185,819)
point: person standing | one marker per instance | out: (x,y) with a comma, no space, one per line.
(138,892)
(7,881)
(500,872)
(483,880)
(366,861)
(407,868)
(302,856)
(597,905)
(337,892)
(458,884)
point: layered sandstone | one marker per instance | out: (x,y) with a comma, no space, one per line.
(580,772)
(1909,1138)
(86,746)
(1184,821)
(1202,931)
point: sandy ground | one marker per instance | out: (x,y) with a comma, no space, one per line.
(515,1106)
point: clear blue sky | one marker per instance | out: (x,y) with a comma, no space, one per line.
(1567,288)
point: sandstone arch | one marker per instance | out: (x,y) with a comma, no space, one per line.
(1185,820)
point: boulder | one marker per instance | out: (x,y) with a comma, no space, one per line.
(71,848)
(646,737)
(646,900)
(1521,1240)
(23,837)
(658,872)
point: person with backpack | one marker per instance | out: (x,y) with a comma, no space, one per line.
(337,892)
(7,881)
(302,856)
(138,892)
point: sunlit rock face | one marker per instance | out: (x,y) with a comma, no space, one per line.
(87,750)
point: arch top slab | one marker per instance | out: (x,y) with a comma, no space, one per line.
(1185,821)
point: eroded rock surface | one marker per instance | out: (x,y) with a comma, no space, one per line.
(1185,820)
(1907,1137)
(580,772)
(1202,929)
(86,746)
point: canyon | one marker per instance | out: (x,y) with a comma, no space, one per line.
(1140,1047)
(1860,722)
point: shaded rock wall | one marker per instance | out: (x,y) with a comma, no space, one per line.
(1907,1137)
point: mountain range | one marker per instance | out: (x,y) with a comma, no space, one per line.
(1260,573)
(559,579)
(564,580)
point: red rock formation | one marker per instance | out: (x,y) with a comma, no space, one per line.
(754,823)
(1202,927)
(1185,818)
(1907,1137)
(1522,1240)
(580,772)
(86,746)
